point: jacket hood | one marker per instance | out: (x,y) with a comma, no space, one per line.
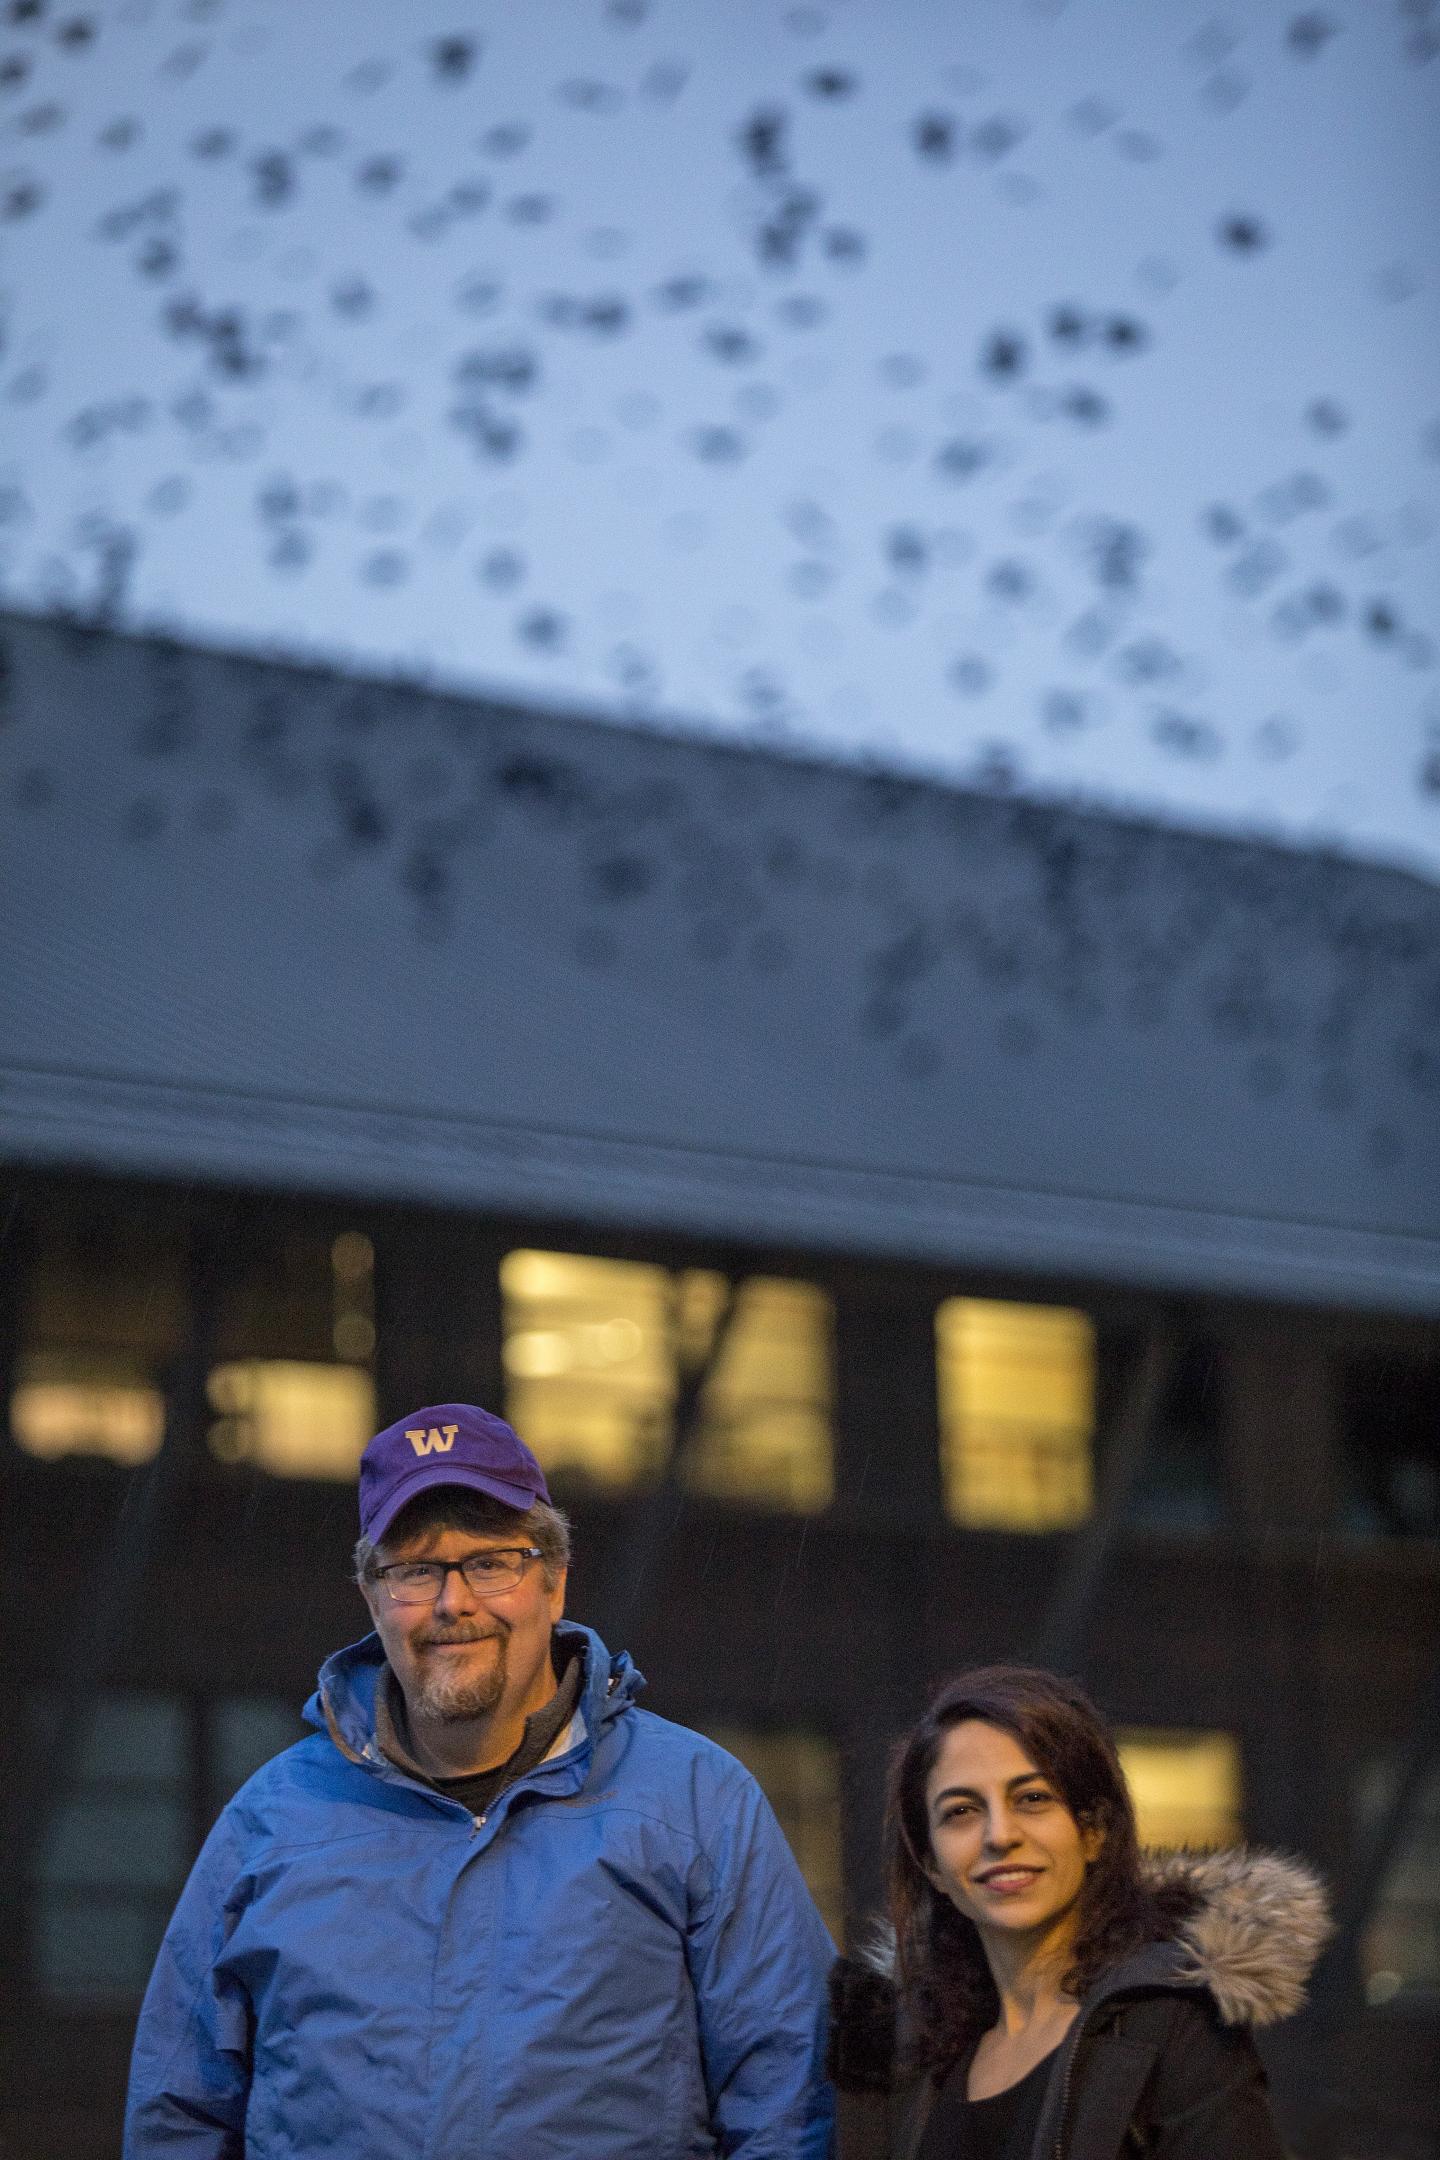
(343,1703)
(1251,1928)
(1246,1925)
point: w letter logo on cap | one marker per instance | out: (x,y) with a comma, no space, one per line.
(438,1440)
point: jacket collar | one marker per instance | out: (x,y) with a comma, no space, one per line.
(343,1703)
(1248,1926)
(1254,1924)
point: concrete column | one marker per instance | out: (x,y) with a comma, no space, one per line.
(887,1447)
(1281,1425)
(887,1474)
(437,1315)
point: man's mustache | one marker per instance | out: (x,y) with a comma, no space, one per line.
(462,1634)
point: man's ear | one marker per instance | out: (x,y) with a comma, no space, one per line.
(557,1593)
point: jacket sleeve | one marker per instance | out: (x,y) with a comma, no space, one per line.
(759,1956)
(190,2070)
(1206,2099)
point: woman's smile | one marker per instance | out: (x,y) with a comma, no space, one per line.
(1007,1881)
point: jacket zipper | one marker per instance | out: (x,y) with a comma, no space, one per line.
(1065,2099)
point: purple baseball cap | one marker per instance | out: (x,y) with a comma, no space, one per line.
(451,1443)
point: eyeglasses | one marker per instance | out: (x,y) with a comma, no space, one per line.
(420,1582)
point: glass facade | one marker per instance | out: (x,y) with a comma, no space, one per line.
(1400,1956)
(295,1397)
(109,1863)
(596,1353)
(1181,1483)
(69,1404)
(1017,1413)
(765,1424)
(1186,1786)
(102,1315)
(589,1364)
(1390,1422)
(111,1858)
(291,1419)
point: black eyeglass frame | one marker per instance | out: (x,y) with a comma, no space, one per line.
(521,1554)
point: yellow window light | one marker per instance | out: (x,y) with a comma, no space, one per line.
(1186,1786)
(65,1405)
(765,1427)
(589,1367)
(1017,1413)
(292,1419)
(352,1256)
(594,1350)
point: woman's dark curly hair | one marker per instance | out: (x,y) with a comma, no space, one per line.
(948,1995)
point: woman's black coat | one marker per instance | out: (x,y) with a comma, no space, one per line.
(1159,2060)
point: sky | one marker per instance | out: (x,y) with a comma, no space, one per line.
(1041,394)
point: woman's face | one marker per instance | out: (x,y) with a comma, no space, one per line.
(1005,1849)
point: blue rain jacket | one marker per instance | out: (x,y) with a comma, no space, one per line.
(620,1960)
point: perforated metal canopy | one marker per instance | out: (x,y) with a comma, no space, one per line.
(277,927)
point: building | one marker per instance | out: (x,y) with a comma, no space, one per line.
(912,1225)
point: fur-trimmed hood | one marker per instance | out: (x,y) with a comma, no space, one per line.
(1246,1925)
(1256,1923)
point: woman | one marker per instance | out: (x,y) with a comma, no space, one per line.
(1051,1992)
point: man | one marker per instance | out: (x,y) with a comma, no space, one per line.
(489,1910)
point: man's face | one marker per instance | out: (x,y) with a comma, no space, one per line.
(468,1655)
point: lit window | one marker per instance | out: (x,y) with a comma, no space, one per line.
(593,1349)
(295,1420)
(66,1403)
(589,1363)
(765,1413)
(352,1297)
(1185,1785)
(799,1774)
(1017,1411)
(113,1855)
(1400,1955)
(101,1317)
